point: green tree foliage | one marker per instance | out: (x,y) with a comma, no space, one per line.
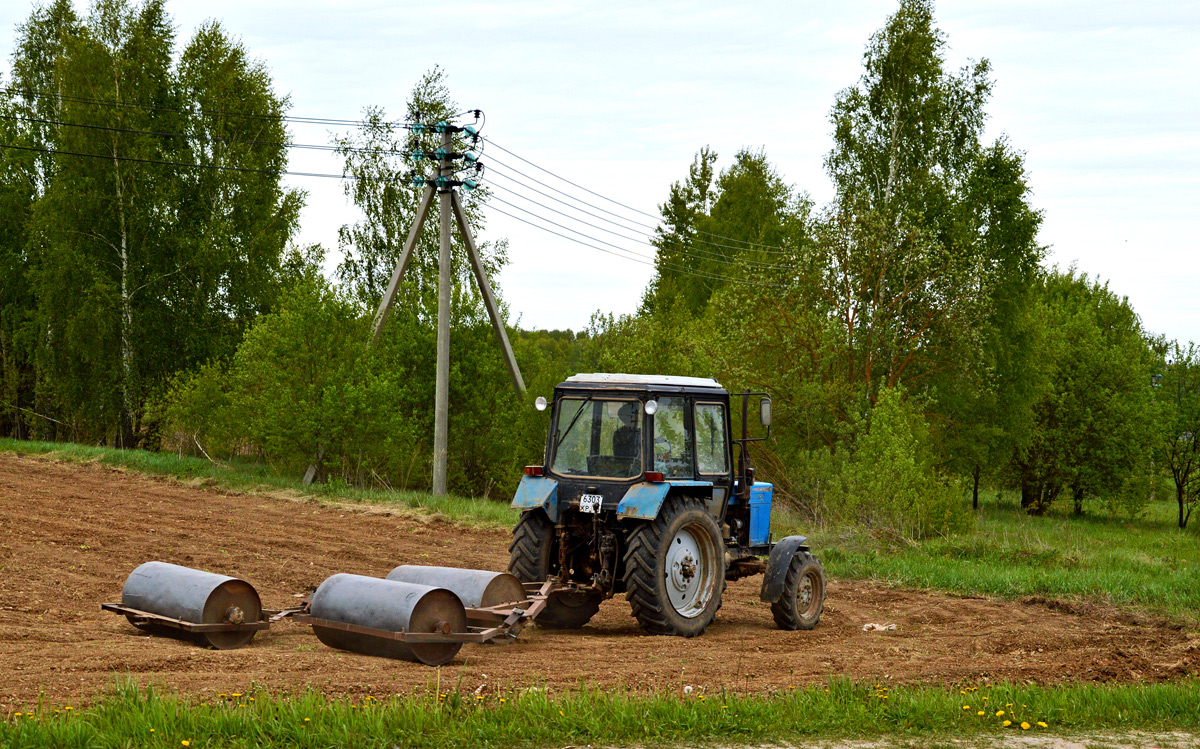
(17,194)
(890,480)
(1095,416)
(1178,394)
(722,228)
(140,269)
(308,387)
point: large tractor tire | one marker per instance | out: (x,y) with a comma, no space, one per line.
(532,557)
(675,569)
(803,597)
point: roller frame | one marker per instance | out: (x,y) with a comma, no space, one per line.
(512,619)
(146,617)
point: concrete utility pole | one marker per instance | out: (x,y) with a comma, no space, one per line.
(448,203)
(441,399)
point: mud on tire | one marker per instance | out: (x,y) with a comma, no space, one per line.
(675,569)
(803,597)
(532,559)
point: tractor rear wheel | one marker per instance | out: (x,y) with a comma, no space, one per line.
(675,569)
(532,559)
(803,597)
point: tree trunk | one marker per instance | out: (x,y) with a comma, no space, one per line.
(125,435)
(975,489)
(1077,495)
(1179,497)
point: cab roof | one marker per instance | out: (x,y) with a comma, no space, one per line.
(617,381)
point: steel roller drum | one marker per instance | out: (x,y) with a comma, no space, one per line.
(475,588)
(390,606)
(193,596)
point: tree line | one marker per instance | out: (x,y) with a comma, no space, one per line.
(914,344)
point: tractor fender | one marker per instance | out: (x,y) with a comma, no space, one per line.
(537,492)
(778,564)
(643,501)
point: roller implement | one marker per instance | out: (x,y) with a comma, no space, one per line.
(640,492)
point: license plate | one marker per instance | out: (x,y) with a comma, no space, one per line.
(590,503)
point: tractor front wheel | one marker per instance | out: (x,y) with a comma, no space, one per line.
(675,569)
(803,597)
(532,559)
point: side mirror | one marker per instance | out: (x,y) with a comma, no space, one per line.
(764,411)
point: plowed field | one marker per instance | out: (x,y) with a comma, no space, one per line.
(70,534)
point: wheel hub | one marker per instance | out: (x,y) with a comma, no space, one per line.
(689,573)
(805,593)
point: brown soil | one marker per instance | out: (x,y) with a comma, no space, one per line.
(70,534)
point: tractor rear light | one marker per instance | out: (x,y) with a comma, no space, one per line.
(533,470)
(653,476)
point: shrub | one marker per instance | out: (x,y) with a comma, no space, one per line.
(890,483)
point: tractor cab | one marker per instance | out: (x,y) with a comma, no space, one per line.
(610,433)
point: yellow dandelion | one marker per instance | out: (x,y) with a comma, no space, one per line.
(966,707)
(252,699)
(479,696)
(980,713)
(68,707)
(791,687)
(502,700)
(235,695)
(560,712)
(151,730)
(962,691)
(1042,724)
(17,715)
(985,699)
(222,695)
(308,720)
(185,742)
(1007,723)
(999,713)
(724,707)
(1008,704)
(1024,726)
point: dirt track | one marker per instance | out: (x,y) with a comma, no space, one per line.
(70,534)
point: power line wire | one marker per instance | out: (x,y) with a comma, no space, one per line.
(201,138)
(642,239)
(180,110)
(768,248)
(218,167)
(630,254)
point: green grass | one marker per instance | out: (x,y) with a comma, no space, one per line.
(258,477)
(1147,564)
(130,716)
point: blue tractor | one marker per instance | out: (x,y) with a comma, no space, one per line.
(641,492)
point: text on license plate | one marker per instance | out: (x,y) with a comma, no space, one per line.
(590,503)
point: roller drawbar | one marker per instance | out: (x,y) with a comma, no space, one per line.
(420,614)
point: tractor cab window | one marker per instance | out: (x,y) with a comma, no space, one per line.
(672,439)
(711,455)
(599,438)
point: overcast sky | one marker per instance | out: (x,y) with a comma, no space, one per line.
(1103,97)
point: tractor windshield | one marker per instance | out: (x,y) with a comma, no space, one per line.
(599,438)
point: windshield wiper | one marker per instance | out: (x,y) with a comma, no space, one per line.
(571,426)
